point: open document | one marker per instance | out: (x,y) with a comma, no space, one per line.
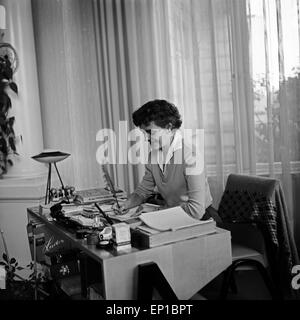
(169,219)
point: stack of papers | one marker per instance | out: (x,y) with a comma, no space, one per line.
(168,226)
(86,222)
(97,195)
(169,219)
(71,210)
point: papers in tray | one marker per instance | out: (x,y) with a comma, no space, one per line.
(69,210)
(168,226)
(97,195)
(169,219)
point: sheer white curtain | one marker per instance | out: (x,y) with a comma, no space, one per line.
(237,63)
(231,67)
(176,50)
(194,53)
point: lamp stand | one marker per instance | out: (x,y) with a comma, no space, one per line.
(48,188)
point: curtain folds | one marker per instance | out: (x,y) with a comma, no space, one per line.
(229,66)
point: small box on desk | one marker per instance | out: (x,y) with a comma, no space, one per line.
(123,247)
(121,233)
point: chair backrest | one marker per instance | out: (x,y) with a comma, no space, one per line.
(252,184)
(260,201)
(235,206)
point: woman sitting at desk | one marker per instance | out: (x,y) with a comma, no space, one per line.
(169,160)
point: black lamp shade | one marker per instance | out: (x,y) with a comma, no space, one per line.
(50,156)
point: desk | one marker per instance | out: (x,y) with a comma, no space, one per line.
(187,265)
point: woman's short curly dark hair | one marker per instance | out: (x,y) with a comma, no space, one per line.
(161,112)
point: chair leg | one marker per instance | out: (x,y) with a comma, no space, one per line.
(232,284)
(268,282)
(226,282)
(263,272)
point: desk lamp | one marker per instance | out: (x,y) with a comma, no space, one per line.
(50,157)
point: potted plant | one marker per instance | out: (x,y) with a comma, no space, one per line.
(7,134)
(18,288)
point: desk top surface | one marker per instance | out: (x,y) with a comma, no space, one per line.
(93,251)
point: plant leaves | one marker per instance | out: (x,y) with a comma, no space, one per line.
(11,142)
(13,87)
(11,121)
(2,263)
(5,102)
(4,256)
(20,268)
(12,260)
(8,73)
(3,145)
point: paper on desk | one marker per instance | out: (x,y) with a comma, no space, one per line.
(86,222)
(107,207)
(70,210)
(169,219)
(147,229)
(124,217)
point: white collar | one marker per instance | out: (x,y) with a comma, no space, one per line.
(175,145)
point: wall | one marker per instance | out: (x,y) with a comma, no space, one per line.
(15,197)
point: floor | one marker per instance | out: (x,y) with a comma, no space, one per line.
(249,287)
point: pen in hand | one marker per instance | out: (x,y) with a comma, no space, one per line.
(104,215)
(119,210)
(117,202)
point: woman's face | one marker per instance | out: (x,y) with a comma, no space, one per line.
(158,137)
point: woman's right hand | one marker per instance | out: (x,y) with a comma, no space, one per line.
(124,206)
(132,201)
